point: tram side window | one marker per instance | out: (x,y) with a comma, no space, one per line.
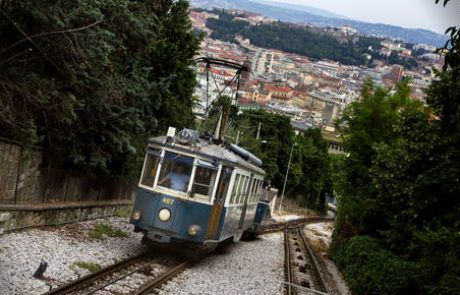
(240,189)
(204,182)
(234,189)
(176,171)
(256,190)
(253,190)
(150,169)
(259,191)
(224,185)
(251,187)
(245,190)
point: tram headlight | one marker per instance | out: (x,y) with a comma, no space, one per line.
(188,136)
(136,215)
(193,230)
(164,214)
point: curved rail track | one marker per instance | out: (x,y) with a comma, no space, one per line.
(141,274)
(276,227)
(301,268)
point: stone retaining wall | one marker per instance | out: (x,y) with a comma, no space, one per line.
(35,194)
(21,217)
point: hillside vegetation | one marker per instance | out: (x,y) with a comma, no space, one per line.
(90,81)
(398,227)
(301,40)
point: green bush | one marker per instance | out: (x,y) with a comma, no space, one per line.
(124,212)
(92,267)
(370,269)
(104,230)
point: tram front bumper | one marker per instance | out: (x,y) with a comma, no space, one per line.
(158,237)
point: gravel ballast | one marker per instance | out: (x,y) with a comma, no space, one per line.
(248,267)
(62,247)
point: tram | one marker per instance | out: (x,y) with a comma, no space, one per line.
(196,191)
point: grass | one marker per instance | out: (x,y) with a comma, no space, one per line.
(92,267)
(124,212)
(104,230)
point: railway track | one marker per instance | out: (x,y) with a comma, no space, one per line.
(301,268)
(142,274)
(276,227)
(146,273)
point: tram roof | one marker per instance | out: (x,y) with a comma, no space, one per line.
(208,149)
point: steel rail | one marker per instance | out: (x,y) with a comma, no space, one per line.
(291,285)
(75,285)
(312,257)
(163,278)
(287,262)
(271,228)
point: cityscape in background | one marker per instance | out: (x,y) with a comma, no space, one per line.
(312,92)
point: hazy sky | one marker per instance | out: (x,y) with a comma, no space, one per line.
(423,14)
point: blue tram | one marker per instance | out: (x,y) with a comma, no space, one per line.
(195,191)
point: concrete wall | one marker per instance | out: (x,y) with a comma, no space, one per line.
(9,155)
(32,194)
(24,216)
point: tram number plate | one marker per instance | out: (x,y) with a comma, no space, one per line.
(168,201)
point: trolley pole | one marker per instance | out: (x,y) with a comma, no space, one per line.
(286,177)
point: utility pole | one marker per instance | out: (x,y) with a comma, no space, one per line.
(258,130)
(207,86)
(285,177)
(237,137)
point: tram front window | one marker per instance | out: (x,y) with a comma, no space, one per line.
(204,183)
(151,166)
(175,171)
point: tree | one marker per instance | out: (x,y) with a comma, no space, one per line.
(309,177)
(310,170)
(363,125)
(90,81)
(277,132)
(409,180)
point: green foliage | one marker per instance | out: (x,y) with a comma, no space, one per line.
(309,178)
(290,38)
(124,212)
(92,267)
(337,174)
(96,78)
(370,269)
(103,230)
(406,62)
(401,185)
(216,108)
(398,186)
(364,124)
(225,27)
(277,132)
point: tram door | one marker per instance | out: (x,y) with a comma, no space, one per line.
(219,202)
(246,195)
